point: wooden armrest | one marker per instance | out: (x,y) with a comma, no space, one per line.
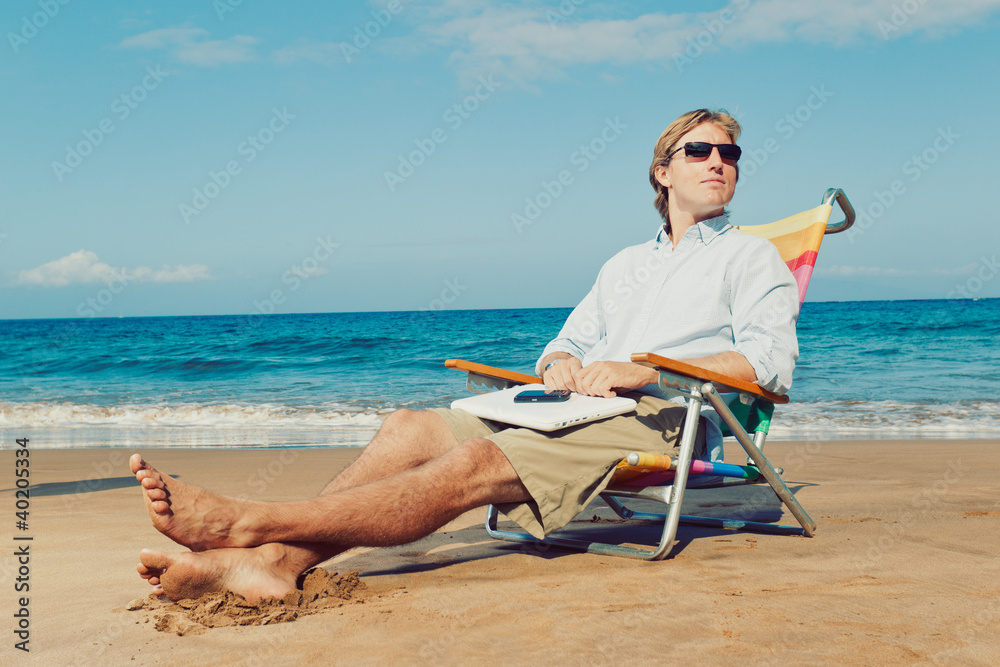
(723,383)
(491,371)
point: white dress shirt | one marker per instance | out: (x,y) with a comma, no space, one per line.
(719,290)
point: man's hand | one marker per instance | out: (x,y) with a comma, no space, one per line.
(561,375)
(602,378)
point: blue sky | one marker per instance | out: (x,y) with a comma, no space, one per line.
(237,157)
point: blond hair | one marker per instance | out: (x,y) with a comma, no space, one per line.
(667,145)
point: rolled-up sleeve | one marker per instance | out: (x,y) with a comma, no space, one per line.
(765,307)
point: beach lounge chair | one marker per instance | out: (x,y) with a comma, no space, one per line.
(750,410)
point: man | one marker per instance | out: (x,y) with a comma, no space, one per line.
(700,291)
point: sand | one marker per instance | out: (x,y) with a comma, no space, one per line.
(903,570)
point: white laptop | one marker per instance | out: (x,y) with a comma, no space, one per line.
(579,409)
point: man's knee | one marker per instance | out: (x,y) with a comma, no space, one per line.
(488,477)
(399,418)
(411,422)
(479,450)
(421,434)
(480,455)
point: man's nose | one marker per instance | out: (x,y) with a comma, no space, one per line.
(715,158)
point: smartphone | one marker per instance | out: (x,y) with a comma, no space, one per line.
(542,396)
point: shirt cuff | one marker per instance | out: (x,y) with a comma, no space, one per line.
(558,345)
(759,356)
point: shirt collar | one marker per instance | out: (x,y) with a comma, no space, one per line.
(705,231)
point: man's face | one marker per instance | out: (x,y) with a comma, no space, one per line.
(700,186)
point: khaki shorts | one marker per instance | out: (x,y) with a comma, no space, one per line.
(565,469)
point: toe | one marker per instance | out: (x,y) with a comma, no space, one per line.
(156,560)
(149,482)
(156,494)
(136,463)
(160,506)
(148,572)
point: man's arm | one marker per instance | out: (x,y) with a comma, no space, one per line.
(733,364)
(607,378)
(765,306)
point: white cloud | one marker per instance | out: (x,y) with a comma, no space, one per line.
(83,267)
(842,22)
(193,46)
(532,41)
(163,37)
(179,274)
(238,49)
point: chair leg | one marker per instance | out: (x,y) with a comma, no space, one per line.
(626,513)
(763,465)
(657,553)
(739,524)
(670,520)
(688,436)
(758,440)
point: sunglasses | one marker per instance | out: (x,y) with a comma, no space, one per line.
(701,149)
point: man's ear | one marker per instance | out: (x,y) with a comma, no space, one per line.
(660,173)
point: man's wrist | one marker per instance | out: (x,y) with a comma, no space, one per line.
(562,356)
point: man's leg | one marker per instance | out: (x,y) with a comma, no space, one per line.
(390,510)
(406,439)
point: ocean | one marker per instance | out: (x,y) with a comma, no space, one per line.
(867,370)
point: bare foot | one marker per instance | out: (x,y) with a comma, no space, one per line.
(190,516)
(253,573)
